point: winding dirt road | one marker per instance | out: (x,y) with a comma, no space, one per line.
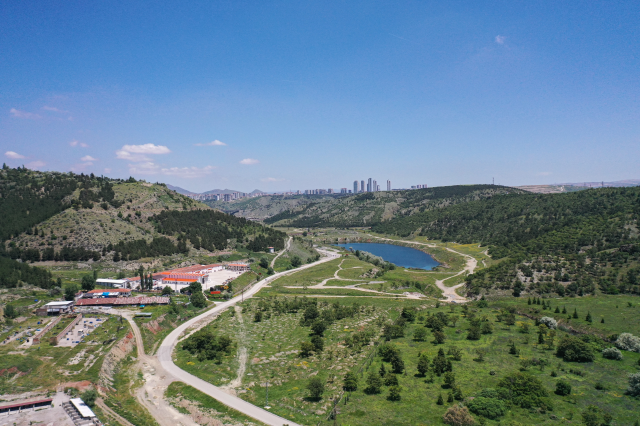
(449,293)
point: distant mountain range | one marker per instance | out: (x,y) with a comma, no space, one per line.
(557,188)
(213,191)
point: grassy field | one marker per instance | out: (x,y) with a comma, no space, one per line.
(273,354)
(621,313)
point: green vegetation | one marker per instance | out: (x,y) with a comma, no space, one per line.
(211,229)
(370,351)
(377,207)
(178,390)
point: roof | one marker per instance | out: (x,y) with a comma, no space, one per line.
(83,408)
(107,280)
(59,304)
(5,405)
(238,264)
(139,300)
(111,290)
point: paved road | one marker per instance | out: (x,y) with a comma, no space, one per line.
(168,344)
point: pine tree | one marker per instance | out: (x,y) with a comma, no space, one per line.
(383,371)
(450,397)
(557,311)
(529,301)
(575,313)
(589,319)
(602,321)
(440,400)
(564,309)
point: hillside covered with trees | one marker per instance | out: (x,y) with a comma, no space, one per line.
(51,216)
(371,208)
(574,242)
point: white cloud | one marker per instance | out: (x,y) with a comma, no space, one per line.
(54,109)
(270,179)
(150,168)
(147,148)
(88,158)
(13,155)
(36,164)
(77,143)
(23,114)
(107,170)
(138,153)
(249,161)
(188,172)
(500,39)
(212,143)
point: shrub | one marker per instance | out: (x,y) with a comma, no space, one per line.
(198,300)
(394,393)
(206,345)
(388,352)
(350,382)
(458,416)
(575,349)
(612,353)
(634,384)
(549,322)
(89,397)
(563,388)
(525,391)
(474,333)
(374,383)
(490,408)
(390,379)
(628,342)
(315,387)
(595,416)
(306,348)
(423,365)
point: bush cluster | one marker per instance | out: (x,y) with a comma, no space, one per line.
(612,353)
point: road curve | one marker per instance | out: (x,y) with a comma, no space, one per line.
(168,344)
(449,293)
(287,245)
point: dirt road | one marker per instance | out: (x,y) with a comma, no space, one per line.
(156,381)
(449,293)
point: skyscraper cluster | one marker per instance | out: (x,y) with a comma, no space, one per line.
(371,186)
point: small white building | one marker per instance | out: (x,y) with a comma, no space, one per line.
(83,409)
(106,282)
(55,308)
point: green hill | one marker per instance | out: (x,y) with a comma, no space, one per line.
(63,216)
(376,207)
(267,206)
(556,243)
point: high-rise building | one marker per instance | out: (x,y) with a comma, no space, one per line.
(361,186)
(369,187)
(374,186)
(388,185)
(355,186)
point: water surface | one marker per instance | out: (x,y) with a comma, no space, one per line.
(406,257)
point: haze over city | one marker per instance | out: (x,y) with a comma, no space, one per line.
(290,96)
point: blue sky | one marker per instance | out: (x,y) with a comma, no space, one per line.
(295,95)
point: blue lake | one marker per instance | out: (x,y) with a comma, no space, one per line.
(401,256)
